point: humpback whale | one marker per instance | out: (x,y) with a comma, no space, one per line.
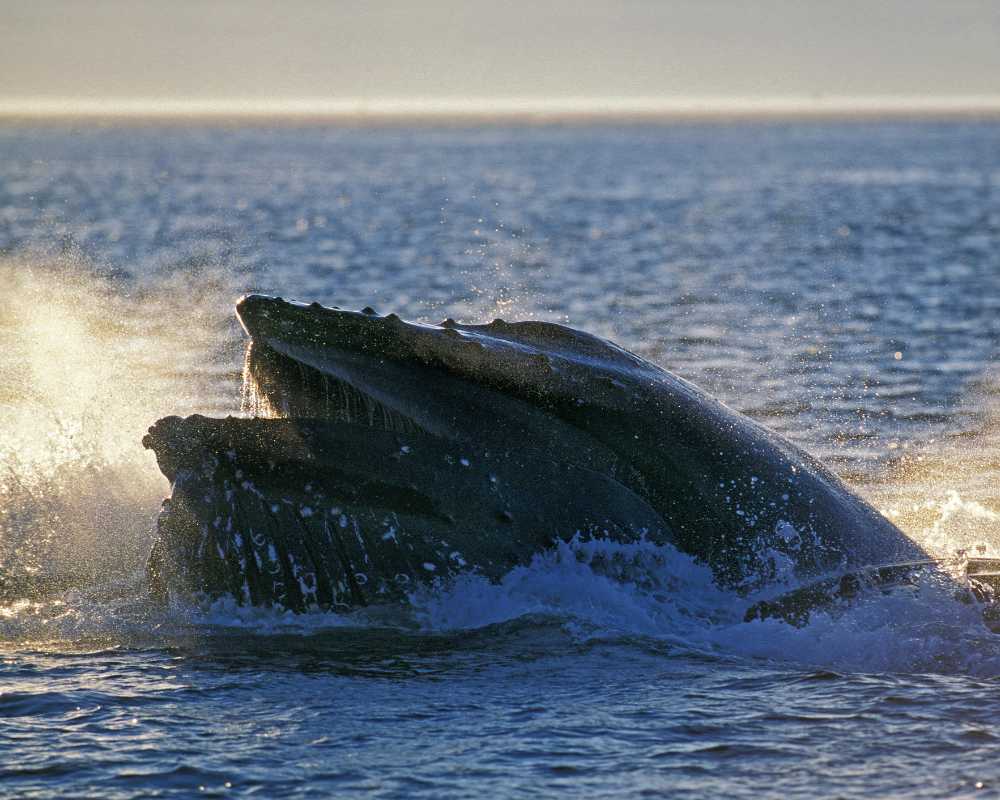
(378,454)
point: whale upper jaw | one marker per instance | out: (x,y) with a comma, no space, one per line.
(504,385)
(541,362)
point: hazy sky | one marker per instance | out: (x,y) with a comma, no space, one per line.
(253,50)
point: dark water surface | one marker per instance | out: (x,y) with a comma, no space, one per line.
(838,282)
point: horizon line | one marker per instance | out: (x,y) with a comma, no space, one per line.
(538,108)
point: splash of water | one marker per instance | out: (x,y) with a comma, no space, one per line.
(87,362)
(944,492)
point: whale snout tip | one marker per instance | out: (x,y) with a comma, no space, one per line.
(249,303)
(251,308)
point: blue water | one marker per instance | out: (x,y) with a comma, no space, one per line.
(838,282)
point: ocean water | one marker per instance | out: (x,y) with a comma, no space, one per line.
(838,282)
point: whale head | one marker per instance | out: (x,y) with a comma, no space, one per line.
(728,488)
(503,436)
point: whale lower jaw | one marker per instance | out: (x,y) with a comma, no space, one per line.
(315,513)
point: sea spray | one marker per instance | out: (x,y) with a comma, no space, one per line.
(87,360)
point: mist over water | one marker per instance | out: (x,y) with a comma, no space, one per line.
(88,360)
(839,283)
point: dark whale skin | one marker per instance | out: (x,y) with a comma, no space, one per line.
(310,513)
(583,435)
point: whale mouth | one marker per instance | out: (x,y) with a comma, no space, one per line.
(494,386)
(377,372)
(283,377)
(276,386)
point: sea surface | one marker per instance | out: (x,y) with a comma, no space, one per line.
(839,282)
